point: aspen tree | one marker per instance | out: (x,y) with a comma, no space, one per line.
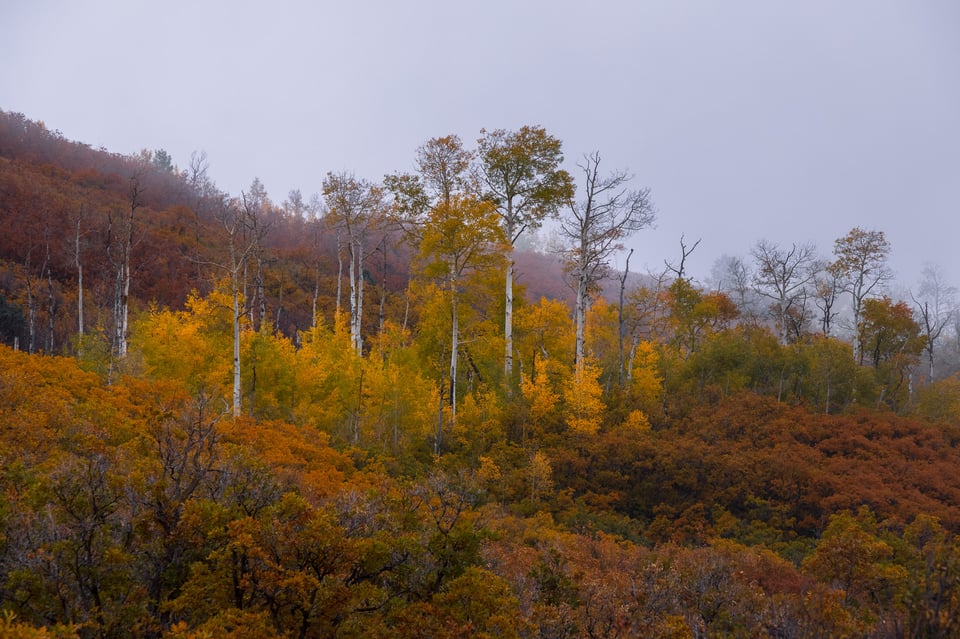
(522,177)
(595,226)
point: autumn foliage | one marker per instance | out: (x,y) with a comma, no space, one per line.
(699,473)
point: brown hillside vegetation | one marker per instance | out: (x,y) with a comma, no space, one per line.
(226,417)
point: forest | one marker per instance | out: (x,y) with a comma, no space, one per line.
(391,410)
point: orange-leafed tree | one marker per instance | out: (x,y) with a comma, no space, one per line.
(891,341)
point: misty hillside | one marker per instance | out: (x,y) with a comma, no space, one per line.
(227,416)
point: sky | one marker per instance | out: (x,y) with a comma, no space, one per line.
(791,122)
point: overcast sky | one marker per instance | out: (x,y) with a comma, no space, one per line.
(789,121)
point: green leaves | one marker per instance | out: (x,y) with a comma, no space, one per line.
(522,176)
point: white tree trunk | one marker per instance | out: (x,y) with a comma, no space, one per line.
(51,306)
(124,307)
(261,298)
(236,346)
(782,310)
(127,249)
(236,264)
(316,295)
(581,315)
(358,320)
(508,326)
(353,295)
(857,337)
(623,286)
(339,277)
(31,311)
(454,349)
(79,265)
(632,358)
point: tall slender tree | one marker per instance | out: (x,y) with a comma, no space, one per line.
(460,235)
(256,206)
(78,263)
(861,269)
(444,165)
(239,247)
(356,207)
(443,171)
(439,211)
(595,225)
(521,175)
(935,307)
(122,243)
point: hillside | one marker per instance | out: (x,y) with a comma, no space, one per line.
(66,205)
(232,447)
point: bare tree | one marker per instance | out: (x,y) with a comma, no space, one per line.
(78,234)
(204,195)
(936,307)
(783,276)
(294,206)
(595,226)
(679,270)
(732,275)
(256,205)
(647,312)
(51,300)
(123,242)
(31,300)
(826,290)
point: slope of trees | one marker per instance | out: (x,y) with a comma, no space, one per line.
(213,426)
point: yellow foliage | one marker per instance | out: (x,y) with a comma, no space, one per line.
(646,383)
(544,329)
(489,470)
(398,404)
(327,373)
(637,420)
(192,346)
(228,624)
(581,394)
(541,475)
(10,628)
(539,393)
(600,333)
(478,420)
(268,365)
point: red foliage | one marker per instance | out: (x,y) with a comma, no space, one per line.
(763,461)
